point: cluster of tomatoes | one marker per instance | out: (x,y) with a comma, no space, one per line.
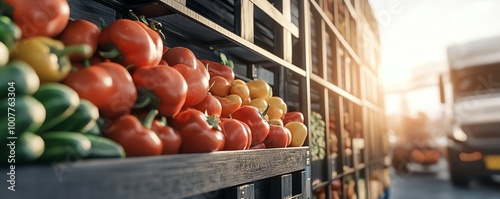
(154,100)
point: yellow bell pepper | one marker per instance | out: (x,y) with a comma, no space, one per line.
(277,107)
(259,103)
(299,133)
(49,57)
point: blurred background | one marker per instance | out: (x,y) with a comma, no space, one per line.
(415,36)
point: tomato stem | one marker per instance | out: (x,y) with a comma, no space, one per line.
(148,121)
(113,53)
(164,121)
(86,63)
(133,15)
(214,122)
(145,96)
(265,111)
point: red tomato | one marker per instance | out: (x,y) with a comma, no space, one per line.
(180,55)
(197,84)
(249,143)
(198,136)
(251,116)
(136,139)
(40,18)
(170,138)
(229,104)
(278,137)
(203,69)
(219,86)
(218,69)
(163,86)
(259,146)
(293,116)
(236,134)
(80,32)
(210,105)
(107,85)
(131,43)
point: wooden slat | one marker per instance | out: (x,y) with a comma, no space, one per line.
(339,36)
(179,8)
(274,13)
(243,192)
(336,89)
(245,26)
(173,176)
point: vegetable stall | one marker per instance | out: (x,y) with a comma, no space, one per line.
(191,99)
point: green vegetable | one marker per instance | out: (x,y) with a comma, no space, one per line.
(25,113)
(104,148)
(94,130)
(62,146)
(82,120)
(9,32)
(19,77)
(318,141)
(29,147)
(59,100)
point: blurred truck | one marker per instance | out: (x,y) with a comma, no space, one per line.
(474,137)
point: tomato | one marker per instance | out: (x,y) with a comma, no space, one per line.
(259,146)
(210,104)
(278,137)
(198,135)
(240,89)
(80,32)
(258,126)
(299,133)
(246,101)
(180,55)
(249,143)
(229,104)
(236,134)
(170,138)
(107,85)
(40,18)
(219,86)
(218,69)
(259,89)
(277,107)
(203,69)
(136,138)
(131,43)
(259,103)
(293,116)
(197,84)
(162,87)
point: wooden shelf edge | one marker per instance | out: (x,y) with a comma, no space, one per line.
(186,12)
(172,176)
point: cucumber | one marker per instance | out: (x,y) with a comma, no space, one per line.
(94,130)
(29,147)
(104,148)
(59,100)
(65,146)
(82,120)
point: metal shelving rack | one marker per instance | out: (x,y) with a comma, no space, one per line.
(312,59)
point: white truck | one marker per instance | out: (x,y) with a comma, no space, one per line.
(474,139)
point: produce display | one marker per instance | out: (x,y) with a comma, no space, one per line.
(80,90)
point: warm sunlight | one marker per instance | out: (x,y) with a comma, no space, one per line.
(414,37)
